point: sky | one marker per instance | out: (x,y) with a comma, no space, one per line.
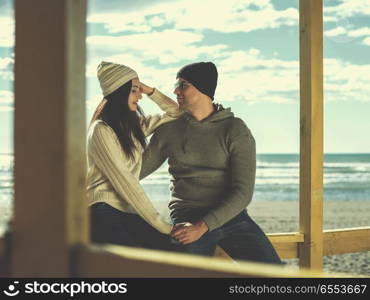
(255,46)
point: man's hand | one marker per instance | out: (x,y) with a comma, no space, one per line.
(187,233)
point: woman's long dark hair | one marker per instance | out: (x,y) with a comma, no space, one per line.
(126,123)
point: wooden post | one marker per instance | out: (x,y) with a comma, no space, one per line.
(50,215)
(311,133)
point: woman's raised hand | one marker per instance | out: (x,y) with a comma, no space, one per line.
(146,89)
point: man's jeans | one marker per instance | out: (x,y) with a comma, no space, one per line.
(241,238)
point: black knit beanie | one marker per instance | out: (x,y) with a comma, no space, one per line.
(202,75)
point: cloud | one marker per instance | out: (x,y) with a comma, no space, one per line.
(6,68)
(158,47)
(7,32)
(6,62)
(344,15)
(6,101)
(366,41)
(346,34)
(336,31)
(6,8)
(254,78)
(345,81)
(6,109)
(133,16)
(363,31)
(347,8)
(126,6)
(234,16)
(226,16)
(243,75)
(248,75)
(118,22)
(6,97)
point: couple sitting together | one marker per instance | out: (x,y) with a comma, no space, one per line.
(212,162)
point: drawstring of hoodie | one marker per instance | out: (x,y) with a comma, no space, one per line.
(184,145)
(185,140)
(186,128)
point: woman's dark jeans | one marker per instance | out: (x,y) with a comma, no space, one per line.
(241,238)
(111,226)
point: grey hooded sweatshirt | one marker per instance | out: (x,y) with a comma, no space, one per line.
(212,163)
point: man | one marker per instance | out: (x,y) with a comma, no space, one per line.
(212,160)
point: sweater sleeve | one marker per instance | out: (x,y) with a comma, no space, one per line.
(106,151)
(153,157)
(170,107)
(242,166)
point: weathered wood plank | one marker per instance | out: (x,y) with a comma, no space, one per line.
(286,244)
(291,237)
(118,261)
(341,241)
(5,254)
(49,136)
(287,250)
(311,133)
(3,258)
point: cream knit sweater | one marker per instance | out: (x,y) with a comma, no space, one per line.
(113,178)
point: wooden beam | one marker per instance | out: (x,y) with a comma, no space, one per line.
(118,261)
(287,250)
(3,259)
(50,214)
(5,255)
(286,244)
(291,237)
(311,133)
(341,241)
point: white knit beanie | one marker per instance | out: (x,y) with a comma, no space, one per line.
(112,76)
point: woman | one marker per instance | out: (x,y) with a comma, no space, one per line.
(121,213)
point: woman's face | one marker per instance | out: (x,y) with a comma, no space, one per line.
(135,95)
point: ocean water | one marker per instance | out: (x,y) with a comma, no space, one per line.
(346,178)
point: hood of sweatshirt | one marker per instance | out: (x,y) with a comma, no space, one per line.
(220,114)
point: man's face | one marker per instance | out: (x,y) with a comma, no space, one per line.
(186,94)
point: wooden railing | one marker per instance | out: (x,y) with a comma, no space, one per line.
(118,261)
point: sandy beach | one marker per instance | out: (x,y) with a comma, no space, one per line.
(282,216)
